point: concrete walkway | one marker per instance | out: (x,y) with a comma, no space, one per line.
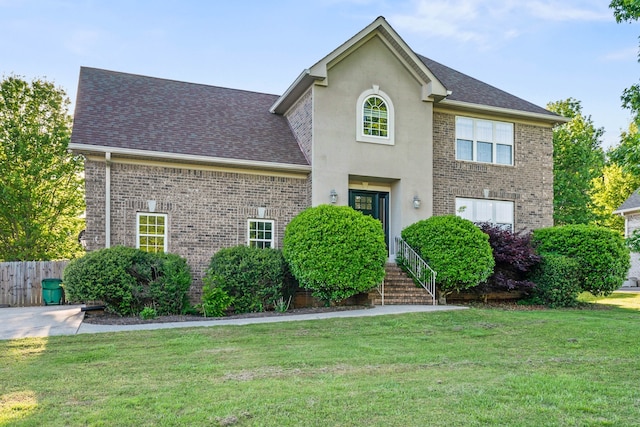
(67,320)
(22,322)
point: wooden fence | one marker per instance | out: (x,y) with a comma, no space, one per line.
(21,282)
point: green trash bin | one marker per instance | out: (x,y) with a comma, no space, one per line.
(52,291)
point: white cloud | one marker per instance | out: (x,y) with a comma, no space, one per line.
(628,54)
(487,23)
(565,11)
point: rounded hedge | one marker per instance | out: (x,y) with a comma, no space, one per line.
(335,251)
(127,280)
(601,253)
(557,280)
(254,278)
(455,248)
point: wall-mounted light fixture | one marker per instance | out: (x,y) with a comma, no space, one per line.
(486,193)
(152,205)
(333,196)
(261,211)
(416,202)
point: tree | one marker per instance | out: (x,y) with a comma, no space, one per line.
(578,158)
(625,10)
(41,187)
(627,153)
(609,192)
(628,11)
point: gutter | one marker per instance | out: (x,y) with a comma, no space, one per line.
(189,158)
(107,200)
(551,118)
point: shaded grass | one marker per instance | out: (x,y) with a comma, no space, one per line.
(464,368)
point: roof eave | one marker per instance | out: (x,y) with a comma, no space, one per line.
(550,118)
(294,92)
(626,211)
(189,158)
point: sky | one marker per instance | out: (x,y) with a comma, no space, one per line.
(540,50)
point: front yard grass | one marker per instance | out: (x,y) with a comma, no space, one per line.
(465,368)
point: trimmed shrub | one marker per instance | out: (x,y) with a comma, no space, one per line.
(455,248)
(255,278)
(601,253)
(335,251)
(128,280)
(514,258)
(215,301)
(169,285)
(557,280)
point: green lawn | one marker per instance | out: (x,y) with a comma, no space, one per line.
(475,367)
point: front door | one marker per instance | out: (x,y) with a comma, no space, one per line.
(372,203)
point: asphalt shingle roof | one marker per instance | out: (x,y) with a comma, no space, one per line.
(467,89)
(144,113)
(632,202)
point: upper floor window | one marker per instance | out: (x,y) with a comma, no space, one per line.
(375,117)
(496,212)
(485,141)
(261,233)
(151,232)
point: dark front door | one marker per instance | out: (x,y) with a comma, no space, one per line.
(372,203)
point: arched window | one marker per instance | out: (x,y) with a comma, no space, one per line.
(375,117)
(375,120)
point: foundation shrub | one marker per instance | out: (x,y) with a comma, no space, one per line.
(601,253)
(557,280)
(127,280)
(515,258)
(335,251)
(455,248)
(255,278)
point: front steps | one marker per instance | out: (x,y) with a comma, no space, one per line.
(399,289)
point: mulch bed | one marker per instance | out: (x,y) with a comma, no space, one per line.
(101,318)
(113,319)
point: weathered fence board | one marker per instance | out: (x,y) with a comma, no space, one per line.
(21,282)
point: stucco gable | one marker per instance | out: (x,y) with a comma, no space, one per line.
(432,88)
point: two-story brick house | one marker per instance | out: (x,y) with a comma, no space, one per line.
(190,168)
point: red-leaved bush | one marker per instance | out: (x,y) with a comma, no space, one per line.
(515,258)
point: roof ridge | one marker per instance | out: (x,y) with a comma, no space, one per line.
(183,82)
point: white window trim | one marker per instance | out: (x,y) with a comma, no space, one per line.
(470,201)
(166,228)
(273,239)
(494,144)
(360,135)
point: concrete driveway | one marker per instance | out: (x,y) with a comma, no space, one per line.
(22,322)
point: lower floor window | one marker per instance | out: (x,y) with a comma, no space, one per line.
(261,233)
(151,232)
(496,212)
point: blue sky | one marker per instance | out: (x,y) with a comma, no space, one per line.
(539,50)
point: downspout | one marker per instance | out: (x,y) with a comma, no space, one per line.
(107,201)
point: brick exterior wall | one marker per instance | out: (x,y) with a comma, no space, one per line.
(300,118)
(207,210)
(529,184)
